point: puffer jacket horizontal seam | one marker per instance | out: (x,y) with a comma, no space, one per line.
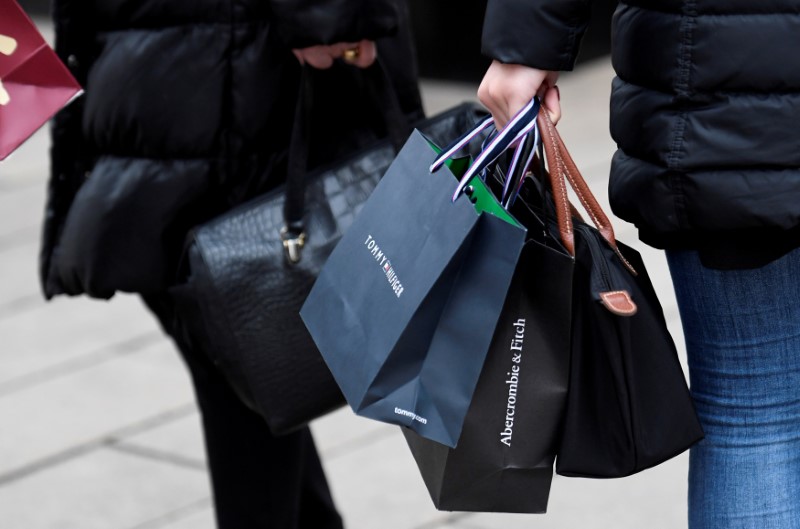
(706,93)
(701,13)
(705,169)
(650,8)
(157,27)
(746,14)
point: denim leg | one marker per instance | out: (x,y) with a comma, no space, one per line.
(742,331)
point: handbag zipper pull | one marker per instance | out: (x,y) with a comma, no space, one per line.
(293,243)
(618,302)
(603,280)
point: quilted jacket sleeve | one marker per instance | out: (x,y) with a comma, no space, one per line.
(543,34)
(310,22)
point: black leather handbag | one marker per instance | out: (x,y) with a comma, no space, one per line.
(250,269)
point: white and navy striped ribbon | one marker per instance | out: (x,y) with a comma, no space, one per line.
(460,142)
(510,196)
(520,125)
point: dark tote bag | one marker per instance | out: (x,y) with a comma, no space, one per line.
(405,308)
(504,459)
(249,270)
(628,406)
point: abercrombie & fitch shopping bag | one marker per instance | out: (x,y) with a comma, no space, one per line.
(504,458)
(405,308)
(34,84)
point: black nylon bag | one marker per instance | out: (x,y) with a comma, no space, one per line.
(628,406)
(504,459)
(244,297)
(405,308)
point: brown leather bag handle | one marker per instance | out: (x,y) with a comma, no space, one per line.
(562,169)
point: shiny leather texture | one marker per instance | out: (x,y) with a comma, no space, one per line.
(249,297)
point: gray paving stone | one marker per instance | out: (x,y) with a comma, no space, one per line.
(464,522)
(28,165)
(67,412)
(65,329)
(380,486)
(21,208)
(182,438)
(101,490)
(18,268)
(199,519)
(438,96)
(343,431)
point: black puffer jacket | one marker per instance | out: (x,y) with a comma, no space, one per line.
(187,112)
(705,111)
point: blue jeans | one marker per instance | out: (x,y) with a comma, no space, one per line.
(742,331)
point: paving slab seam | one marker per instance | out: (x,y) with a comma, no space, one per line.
(357,443)
(177,514)
(154,454)
(20,305)
(81,449)
(105,353)
(450,519)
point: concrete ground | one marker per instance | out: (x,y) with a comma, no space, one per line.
(98,428)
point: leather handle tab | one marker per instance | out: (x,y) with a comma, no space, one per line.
(619,302)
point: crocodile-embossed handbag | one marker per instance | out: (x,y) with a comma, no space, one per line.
(251,269)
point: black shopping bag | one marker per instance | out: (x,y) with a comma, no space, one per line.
(504,459)
(404,310)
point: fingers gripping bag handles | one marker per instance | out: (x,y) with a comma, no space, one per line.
(405,308)
(504,458)
(628,406)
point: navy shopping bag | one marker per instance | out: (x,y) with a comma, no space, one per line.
(404,310)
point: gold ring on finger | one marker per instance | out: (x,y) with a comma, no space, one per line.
(351,54)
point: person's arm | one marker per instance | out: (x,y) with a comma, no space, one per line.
(530,41)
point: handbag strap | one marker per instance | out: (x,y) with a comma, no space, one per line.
(383,97)
(564,171)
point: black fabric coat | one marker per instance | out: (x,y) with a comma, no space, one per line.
(187,112)
(704,109)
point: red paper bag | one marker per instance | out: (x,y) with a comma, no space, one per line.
(34,83)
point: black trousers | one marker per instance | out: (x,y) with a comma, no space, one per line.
(259,481)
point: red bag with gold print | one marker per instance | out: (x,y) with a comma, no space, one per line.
(34,83)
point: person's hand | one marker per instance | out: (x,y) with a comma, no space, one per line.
(361,54)
(506,88)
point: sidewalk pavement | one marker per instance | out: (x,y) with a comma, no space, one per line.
(98,428)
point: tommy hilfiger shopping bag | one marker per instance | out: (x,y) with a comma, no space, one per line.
(405,308)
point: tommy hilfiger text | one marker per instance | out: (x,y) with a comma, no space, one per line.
(385,264)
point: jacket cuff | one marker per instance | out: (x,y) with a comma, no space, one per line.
(303,23)
(543,34)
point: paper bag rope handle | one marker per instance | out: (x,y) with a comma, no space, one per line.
(562,170)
